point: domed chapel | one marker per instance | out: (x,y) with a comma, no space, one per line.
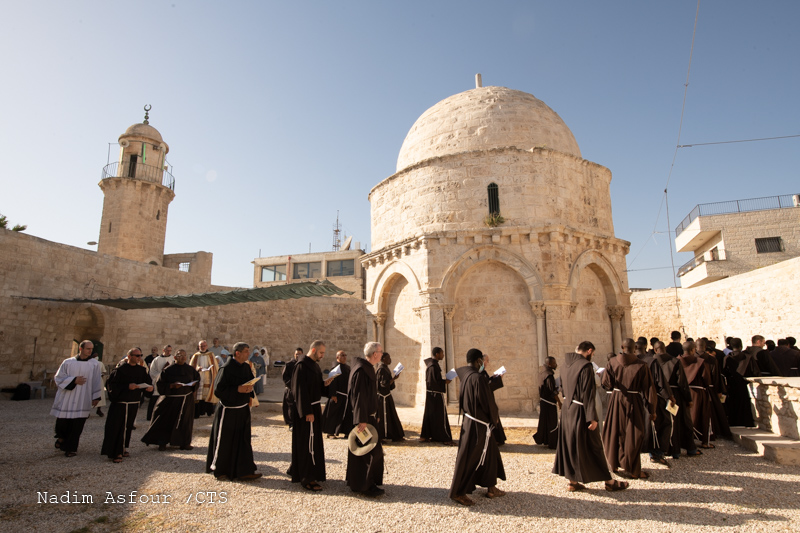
(493,233)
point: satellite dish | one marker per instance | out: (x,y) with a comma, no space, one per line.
(346,245)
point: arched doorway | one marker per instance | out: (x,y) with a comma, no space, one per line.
(400,333)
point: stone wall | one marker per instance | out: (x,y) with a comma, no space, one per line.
(778,405)
(450,193)
(37,335)
(764,302)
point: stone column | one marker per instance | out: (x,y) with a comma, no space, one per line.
(538,309)
(380,321)
(616,312)
(449,355)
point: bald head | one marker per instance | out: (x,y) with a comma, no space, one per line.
(688,348)
(627,346)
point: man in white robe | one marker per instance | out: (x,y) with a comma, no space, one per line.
(79,388)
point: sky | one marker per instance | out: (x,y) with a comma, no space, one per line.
(279,115)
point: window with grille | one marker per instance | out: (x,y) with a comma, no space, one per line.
(341,268)
(494,199)
(307,270)
(769,245)
(273,273)
(184,267)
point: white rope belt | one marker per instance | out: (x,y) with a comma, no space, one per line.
(576,401)
(548,401)
(697,387)
(385,418)
(125,428)
(627,391)
(311,437)
(183,404)
(444,402)
(219,432)
(488,436)
(342,393)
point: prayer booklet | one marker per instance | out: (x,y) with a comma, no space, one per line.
(206,369)
(188,384)
(500,371)
(451,375)
(252,381)
(143,385)
(597,369)
(672,408)
(722,398)
(336,371)
(364,436)
(399,368)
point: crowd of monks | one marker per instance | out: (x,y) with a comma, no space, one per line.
(662,401)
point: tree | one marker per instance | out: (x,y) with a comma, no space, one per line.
(4,224)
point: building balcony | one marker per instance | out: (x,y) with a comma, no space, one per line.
(703,269)
(138,171)
(693,231)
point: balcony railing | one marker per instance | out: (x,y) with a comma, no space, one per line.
(713,255)
(737,206)
(138,171)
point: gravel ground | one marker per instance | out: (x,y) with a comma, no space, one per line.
(727,489)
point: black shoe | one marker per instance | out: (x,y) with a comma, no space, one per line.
(374,492)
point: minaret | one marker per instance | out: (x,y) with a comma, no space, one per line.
(138,190)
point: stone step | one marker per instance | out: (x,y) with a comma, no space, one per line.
(773,447)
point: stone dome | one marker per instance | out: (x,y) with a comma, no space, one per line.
(482,119)
(143,130)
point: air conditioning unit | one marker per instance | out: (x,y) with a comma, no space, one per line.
(796,200)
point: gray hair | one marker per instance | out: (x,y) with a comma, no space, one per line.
(370,348)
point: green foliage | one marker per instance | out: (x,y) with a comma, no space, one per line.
(493,220)
(17,227)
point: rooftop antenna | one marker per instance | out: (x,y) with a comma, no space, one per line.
(337,230)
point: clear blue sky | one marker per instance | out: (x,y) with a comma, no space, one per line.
(280,114)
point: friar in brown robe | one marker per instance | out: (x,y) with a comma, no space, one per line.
(579,453)
(699,378)
(717,391)
(631,408)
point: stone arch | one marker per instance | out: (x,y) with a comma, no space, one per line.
(605,271)
(480,254)
(88,323)
(387,277)
(401,335)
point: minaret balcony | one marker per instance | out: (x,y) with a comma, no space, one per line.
(138,171)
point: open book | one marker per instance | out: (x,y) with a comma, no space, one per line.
(188,384)
(672,408)
(451,375)
(399,368)
(206,369)
(500,371)
(364,436)
(336,371)
(252,381)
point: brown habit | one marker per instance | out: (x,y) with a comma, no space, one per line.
(628,414)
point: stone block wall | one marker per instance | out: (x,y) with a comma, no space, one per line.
(764,302)
(37,335)
(449,193)
(778,405)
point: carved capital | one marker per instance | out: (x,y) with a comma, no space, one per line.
(538,309)
(572,307)
(380,318)
(449,311)
(616,312)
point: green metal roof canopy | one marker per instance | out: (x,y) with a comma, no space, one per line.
(290,291)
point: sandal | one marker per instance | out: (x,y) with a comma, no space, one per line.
(659,460)
(643,475)
(575,487)
(59,442)
(126,454)
(707,446)
(70,454)
(694,453)
(117,459)
(616,485)
(312,486)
